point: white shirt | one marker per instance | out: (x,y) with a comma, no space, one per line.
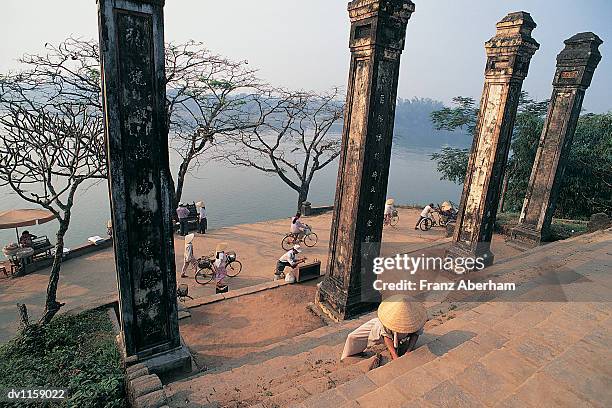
(288,257)
(220,260)
(202,212)
(426,211)
(188,256)
(297,226)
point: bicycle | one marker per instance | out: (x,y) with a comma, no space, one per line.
(308,237)
(431,221)
(393,220)
(207,271)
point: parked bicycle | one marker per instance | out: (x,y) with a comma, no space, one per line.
(308,237)
(207,271)
(393,220)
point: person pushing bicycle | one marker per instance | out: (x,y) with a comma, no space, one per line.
(426,213)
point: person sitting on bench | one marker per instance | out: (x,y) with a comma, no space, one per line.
(25,240)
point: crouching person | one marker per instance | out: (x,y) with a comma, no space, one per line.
(399,323)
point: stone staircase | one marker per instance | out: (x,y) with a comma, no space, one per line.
(498,354)
(286,373)
(511,351)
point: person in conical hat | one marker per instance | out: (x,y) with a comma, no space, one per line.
(389,208)
(188,258)
(399,323)
(220,263)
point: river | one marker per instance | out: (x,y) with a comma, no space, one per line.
(243,195)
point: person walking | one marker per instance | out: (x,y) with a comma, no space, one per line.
(203,222)
(220,263)
(188,258)
(182,212)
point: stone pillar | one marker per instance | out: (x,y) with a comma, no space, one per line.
(575,67)
(378,31)
(508,57)
(133,83)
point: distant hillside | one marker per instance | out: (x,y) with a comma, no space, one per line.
(413,127)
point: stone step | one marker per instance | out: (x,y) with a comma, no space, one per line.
(442,352)
(304,387)
(245,382)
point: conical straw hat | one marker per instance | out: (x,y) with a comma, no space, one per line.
(189,238)
(200,204)
(402,314)
(390,201)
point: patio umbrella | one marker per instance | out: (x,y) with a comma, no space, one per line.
(23,218)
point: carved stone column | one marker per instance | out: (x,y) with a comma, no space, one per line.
(508,57)
(378,31)
(133,83)
(575,67)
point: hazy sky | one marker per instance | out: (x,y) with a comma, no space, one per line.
(303,44)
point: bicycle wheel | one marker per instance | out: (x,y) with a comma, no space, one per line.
(287,242)
(233,268)
(311,239)
(442,221)
(394,220)
(203,276)
(426,224)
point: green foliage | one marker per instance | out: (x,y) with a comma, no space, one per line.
(559,228)
(587,181)
(462,116)
(452,163)
(76,352)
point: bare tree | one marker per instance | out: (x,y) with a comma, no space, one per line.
(210,99)
(294,141)
(51,141)
(208,96)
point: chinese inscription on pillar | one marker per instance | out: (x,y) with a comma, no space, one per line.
(132,60)
(508,57)
(575,67)
(378,31)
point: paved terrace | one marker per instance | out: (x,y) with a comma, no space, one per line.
(545,345)
(90,280)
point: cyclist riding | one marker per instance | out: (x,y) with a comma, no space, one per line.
(300,232)
(297,226)
(389,209)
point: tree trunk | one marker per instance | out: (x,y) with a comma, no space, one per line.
(302,195)
(180,180)
(23,315)
(52,306)
(502,196)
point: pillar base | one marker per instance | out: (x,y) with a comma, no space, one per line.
(339,305)
(525,237)
(170,362)
(481,251)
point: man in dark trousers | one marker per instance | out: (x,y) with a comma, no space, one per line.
(182,212)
